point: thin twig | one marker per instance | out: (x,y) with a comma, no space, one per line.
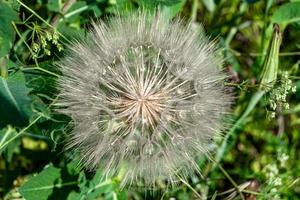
(40,18)
(231,180)
(3,144)
(254,54)
(20,133)
(189,186)
(21,37)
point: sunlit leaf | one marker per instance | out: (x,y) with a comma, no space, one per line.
(41,186)
(287,13)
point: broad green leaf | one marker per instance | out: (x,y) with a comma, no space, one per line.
(15,104)
(7,33)
(287,13)
(41,186)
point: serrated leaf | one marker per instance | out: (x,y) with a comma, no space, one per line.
(15,104)
(287,13)
(41,186)
(7,33)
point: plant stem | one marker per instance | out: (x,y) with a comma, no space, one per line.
(232,181)
(3,67)
(223,148)
(21,37)
(189,186)
(2,145)
(40,18)
(64,10)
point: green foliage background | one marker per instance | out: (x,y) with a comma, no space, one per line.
(258,157)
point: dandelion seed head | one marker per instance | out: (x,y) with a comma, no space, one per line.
(145,94)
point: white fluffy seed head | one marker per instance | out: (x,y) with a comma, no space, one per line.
(144,94)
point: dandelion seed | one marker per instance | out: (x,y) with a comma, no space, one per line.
(144,94)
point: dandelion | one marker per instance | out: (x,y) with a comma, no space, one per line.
(144,94)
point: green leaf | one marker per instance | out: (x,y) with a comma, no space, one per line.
(154,3)
(270,68)
(209,4)
(73,195)
(268,78)
(171,11)
(287,13)
(15,104)
(7,33)
(41,186)
(54,5)
(96,187)
(3,67)
(75,10)
(6,135)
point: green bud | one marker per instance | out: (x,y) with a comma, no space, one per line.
(270,67)
(34,56)
(55,35)
(47,52)
(286,106)
(43,41)
(48,36)
(59,47)
(35,47)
